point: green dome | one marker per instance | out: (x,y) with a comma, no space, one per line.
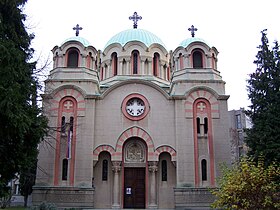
(77,39)
(140,35)
(188,41)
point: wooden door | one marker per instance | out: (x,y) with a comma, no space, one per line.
(134,188)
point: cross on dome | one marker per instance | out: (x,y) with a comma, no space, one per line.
(77,28)
(192,29)
(135,17)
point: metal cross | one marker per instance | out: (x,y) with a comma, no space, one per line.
(77,28)
(201,106)
(192,29)
(135,17)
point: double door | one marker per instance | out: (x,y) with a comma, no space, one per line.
(134,188)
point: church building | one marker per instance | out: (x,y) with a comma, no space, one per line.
(134,125)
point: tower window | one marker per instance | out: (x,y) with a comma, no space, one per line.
(105,170)
(63,125)
(181,61)
(115,63)
(135,55)
(205,125)
(155,64)
(71,123)
(164,170)
(197,59)
(197,125)
(204,170)
(72,59)
(64,169)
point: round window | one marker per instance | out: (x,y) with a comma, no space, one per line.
(135,107)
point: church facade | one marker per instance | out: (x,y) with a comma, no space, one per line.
(133,125)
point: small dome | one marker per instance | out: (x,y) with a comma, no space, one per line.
(77,39)
(188,41)
(140,35)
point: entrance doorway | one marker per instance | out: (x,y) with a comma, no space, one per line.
(134,188)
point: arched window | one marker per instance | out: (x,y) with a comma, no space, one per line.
(168,73)
(101,73)
(197,59)
(135,55)
(64,169)
(198,125)
(89,59)
(63,124)
(181,64)
(205,125)
(155,64)
(164,170)
(114,63)
(72,58)
(214,61)
(71,123)
(204,170)
(105,170)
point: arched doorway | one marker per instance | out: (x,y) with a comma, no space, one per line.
(134,176)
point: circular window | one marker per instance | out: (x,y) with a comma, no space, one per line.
(135,107)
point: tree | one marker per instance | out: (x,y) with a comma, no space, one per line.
(264,92)
(249,186)
(27,179)
(21,124)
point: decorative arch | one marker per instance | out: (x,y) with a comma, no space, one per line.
(168,149)
(157,47)
(68,92)
(205,94)
(138,81)
(67,106)
(135,132)
(102,148)
(202,108)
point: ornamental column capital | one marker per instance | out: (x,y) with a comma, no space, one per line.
(153,166)
(116,166)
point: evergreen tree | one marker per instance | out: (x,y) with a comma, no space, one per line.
(21,123)
(264,92)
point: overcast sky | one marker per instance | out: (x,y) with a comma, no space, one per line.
(233,27)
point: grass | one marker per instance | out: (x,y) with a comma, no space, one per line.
(16,208)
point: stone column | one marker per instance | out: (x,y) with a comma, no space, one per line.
(128,70)
(142,67)
(120,69)
(150,67)
(152,169)
(116,188)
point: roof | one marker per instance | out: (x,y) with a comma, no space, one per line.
(188,41)
(135,34)
(77,39)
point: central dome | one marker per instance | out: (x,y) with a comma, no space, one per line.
(140,35)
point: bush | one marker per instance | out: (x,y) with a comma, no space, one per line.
(249,185)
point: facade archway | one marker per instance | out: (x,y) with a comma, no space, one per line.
(135,131)
(134,173)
